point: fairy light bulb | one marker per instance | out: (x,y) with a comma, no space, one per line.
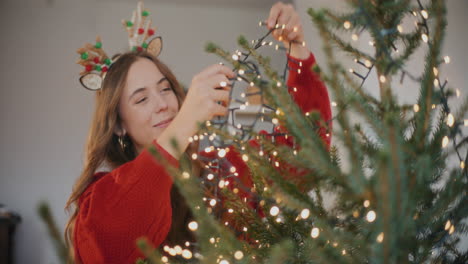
(222,153)
(277,164)
(305,213)
(452,229)
(447,225)
(351,70)
(457,91)
(462,164)
(334,104)
(194,156)
(224,262)
(210,176)
(187,254)
(235,57)
(445,141)
(212,240)
(380,237)
(193,225)
(416,108)
(450,120)
(164,259)
(424,14)
(315,232)
(172,252)
(178,250)
(241,71)
(447,59)
(465,122)
(245,158)
(343,252)
(221,184)
(382,79)
(366,203)
(400,28)
(185,175)
(213,202)
(274,211)
(370,217)
(347,25)
(355,37)
(368,63)
(238,255)
(232,169)
(275,121)
(424,37)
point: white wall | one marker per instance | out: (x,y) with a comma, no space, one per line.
(45,113)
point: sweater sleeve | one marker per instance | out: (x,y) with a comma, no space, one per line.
(130,202)
(309,92)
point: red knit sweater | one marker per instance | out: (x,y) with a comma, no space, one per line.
(133,200)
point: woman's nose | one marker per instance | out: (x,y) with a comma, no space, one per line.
(160,104)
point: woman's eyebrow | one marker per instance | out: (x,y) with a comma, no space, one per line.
(136,91)
(143,88)
(162,80)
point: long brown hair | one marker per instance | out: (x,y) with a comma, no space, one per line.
(102,147)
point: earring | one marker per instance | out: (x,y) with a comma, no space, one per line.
(121,142)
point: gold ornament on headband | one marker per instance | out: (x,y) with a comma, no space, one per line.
(141,36)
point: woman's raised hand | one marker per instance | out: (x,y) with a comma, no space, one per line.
(207,97)
(208,94)
(289,28)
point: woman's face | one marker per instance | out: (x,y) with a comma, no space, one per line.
(148,103)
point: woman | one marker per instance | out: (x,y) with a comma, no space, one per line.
(141,104)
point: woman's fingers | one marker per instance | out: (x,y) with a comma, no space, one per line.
(288,21)
(216,69)
(220,95)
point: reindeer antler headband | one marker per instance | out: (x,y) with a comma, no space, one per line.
(140,37)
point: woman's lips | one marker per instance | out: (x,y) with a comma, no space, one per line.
(164,123)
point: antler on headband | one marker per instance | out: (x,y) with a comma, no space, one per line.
(140,37)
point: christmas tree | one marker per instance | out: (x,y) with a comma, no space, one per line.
(397,201)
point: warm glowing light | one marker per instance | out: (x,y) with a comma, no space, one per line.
(380,237)
(416,108)
(347,24)
(447,225)
(235,57)
(368,63)
(238,255)
(424,14)
(445,141)
(222,153)
(371,216)
(194,156)
(274,211)
(185,175)
(366,203)
(315,232)
(450,120)
(354,37)
(186,254)
(424,37)
(213,202)
(447,59)
(305,213)
(382,79)
(245,158)
(400,28)
(193,225)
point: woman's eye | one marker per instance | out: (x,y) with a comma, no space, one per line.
(141,100)
(167,89)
